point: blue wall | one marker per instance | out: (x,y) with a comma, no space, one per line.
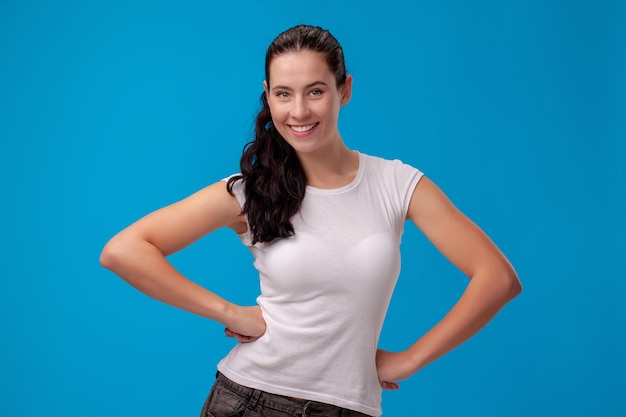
(109,110)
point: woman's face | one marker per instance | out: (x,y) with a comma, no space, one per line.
(304,100)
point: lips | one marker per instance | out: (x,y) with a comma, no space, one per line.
(302,128)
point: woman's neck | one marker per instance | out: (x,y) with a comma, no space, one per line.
(332,168)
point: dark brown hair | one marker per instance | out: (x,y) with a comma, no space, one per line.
(273,177)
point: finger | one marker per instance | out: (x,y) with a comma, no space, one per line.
(245,339)
(230,333)
(389,385)
(239,337)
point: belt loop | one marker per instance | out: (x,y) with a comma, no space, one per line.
(254,398)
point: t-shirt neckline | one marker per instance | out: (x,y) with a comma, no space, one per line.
(344,188)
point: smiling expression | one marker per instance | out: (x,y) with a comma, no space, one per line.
(304,100)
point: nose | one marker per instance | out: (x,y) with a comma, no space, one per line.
(300,109)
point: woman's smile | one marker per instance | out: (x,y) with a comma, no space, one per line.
(304,100)
(303,130)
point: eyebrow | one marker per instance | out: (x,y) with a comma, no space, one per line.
(284,87)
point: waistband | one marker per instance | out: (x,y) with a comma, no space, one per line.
(293,406)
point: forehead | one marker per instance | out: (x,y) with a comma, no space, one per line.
(293,68)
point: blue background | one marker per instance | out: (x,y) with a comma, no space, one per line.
(109,110)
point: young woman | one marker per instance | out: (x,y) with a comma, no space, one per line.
(324,224)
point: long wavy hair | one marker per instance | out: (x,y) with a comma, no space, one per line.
(274,181)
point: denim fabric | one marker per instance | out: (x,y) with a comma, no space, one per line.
(229,399)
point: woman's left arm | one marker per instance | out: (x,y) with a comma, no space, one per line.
(493,282)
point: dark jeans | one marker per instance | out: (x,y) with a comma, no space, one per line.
(229,399)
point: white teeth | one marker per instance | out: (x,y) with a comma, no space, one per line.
(302,128)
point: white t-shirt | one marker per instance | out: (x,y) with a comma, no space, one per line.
(325,291)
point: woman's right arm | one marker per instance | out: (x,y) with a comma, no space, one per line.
(138,255)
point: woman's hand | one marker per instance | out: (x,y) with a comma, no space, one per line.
(246,325)
(392,367)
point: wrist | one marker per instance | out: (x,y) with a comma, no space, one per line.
(222,311)
(416,358)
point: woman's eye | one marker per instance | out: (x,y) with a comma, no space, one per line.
(282,94)
(316,92)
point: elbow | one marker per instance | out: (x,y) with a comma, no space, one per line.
(107,256)
(513,284)
(112,254)
(502,283)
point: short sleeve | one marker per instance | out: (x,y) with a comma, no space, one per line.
(240,195)
(406,178)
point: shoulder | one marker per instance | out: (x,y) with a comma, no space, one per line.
(235,184)
(385,163)
(389,169)
(391,178)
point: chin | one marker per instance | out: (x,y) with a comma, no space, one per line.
(305,148)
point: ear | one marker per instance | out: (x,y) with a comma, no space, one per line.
(346,90)
(266,88)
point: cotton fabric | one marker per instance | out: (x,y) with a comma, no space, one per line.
(325,291)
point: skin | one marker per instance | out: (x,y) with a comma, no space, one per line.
(302,92)
(138,255)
